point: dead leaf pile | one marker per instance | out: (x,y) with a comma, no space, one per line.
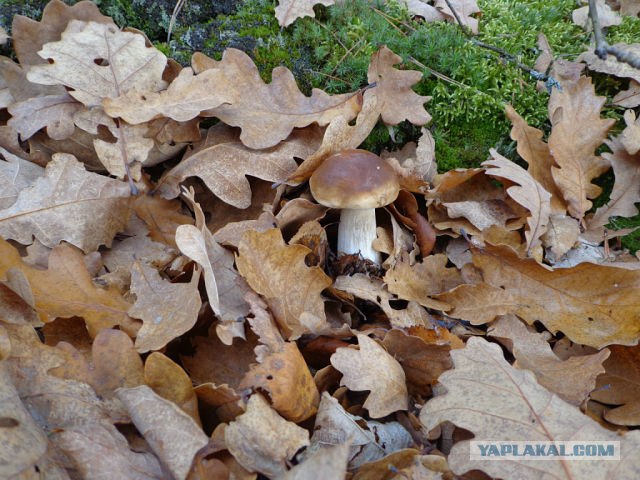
(194,320)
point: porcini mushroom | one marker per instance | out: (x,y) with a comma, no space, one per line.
(357,182)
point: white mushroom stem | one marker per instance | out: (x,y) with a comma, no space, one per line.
(356,233)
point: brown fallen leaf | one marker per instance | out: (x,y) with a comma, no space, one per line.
(561,235)
(620,386)
(162,217)
(281,371)
(166,309)
(172,434)
(508,404)
(288,11)
(369,440)
(592,304)
(278,272)
(329,462)
(611,65)
(422,9)
(465,10)
(68,203)
(629,98)
(66,290)
(606,16)
(261,440)
(577,130)
(53,112)
(372,368)
(571,379)
(16,174)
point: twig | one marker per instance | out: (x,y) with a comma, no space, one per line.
(603,48)
(174,16)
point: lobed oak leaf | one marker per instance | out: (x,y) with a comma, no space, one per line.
(261,440)
(372,368)
(629,98)
(224,165)
(172,434)
(465,10)
(288,11)
(572,379)
(16,174)
(55,112)
(329,462)
(527,192)
(606,16)
(508,404)
(70,204)
(424,10)
(619,386)
(162,217)
(66,290)
(561,236)
(368,440)
(167,309)
(577,130)
(278,272)
(611,65)
(592,304)
(397,101)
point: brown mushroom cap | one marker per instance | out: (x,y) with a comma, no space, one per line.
(354,179)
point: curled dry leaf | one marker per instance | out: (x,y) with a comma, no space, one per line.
(261,440)
(278,272)
(510,405)
(571,379)
(167,309)
(70,204)
(372,368)
(592,304)
(527,192)
(288,11)
(172,434)
(369,440)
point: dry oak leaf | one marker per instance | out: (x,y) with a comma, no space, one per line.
(629,98)
(624,195)
(233,91)
(510,405)
(261,440)
(172,434)
(369,440)
(592,304)
(536,153)
(223,164)
(571,379)
(281,370)
(562,234)
(167,309)
(162,217)
(620,386)
(66,290)
(98,61)
(16,174)
(372,368)
(55,112)
(527,192)
(329,462)
(29,35)
(278,272)
(422,9)
(630,136)
(606,16)
(577,130)
(397,101)
(288,11)
(611,65)
(70,204)
(464,8)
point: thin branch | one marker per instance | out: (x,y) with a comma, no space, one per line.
(603,48)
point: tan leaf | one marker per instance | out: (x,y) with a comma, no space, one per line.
(130,148)
(233,91)
(281,370)
(577,130)
(397,101)
(278,272)
(630,136)
(96,61)
(55,112)
(620,386)
(424,10)
(369,440)
(630,7)
(592,304)
(167,309)
(29,36)
(172,434)
(162,217)
(561,235)
(288,11)
(66,290)
(629,98)
(24,443)
(261,440)
(464,8)
(329,462)
(606,16)
(625,193)
(223,166)
(68,203)
(372,368)
(510,405)
(611,65)
(16,174)
(527,192)
(536,153)
(571,379)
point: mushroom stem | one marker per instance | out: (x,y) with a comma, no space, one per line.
(357,231)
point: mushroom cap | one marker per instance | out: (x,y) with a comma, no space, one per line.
(354,179)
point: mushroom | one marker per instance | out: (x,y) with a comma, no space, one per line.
(357,182)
